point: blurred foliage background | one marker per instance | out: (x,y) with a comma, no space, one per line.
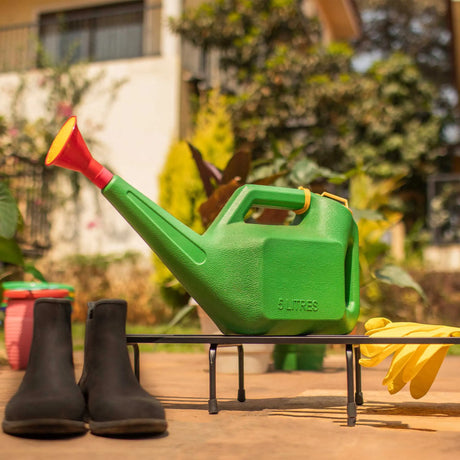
(371,120)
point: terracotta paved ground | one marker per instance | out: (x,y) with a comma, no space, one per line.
(287,415)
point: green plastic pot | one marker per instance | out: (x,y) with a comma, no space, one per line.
(293,357)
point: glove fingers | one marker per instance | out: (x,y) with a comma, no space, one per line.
(420,359)
(378,352)
(417,363)
(423,353)
(371,350)
(422,382)
(404,329)
(433,331)
(396,384)
(398,363)
(375,359)
(375,325)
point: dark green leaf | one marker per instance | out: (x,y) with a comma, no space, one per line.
(8,213)
(207,170)
(211,208)
(238,166)
(10,252)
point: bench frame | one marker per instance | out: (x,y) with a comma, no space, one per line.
(352,356)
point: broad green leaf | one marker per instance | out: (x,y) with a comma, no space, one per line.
(37,274)
(10,252)
(180,315)
(392,274)
(306,171)
(367,214)
(8,213)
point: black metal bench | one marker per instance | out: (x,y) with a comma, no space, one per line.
(352,355)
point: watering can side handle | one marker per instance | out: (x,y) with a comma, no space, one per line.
(352,281)
(261,195)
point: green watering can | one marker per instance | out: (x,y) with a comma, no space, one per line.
(249,278)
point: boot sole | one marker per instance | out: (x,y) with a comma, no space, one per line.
(128,427)
(43,427)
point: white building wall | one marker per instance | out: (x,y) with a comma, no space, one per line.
(133,141)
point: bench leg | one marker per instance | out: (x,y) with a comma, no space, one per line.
(351,404)
(359,399)
(212,402)
(241,390)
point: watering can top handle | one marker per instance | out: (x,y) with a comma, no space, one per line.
(263,195)
(297,200)
(307,192)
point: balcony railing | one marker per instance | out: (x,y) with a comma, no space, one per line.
(91,34)
(28,181)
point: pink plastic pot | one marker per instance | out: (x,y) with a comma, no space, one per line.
(19,322)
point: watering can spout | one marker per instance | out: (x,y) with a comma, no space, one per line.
(174,242)
(69,150)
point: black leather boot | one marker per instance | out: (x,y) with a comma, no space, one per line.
(117,405)
(48,401)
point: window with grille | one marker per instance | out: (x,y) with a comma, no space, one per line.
(99,33)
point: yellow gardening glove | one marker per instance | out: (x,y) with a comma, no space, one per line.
(415,363)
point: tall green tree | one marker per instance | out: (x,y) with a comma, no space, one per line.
(302,105)
(267,50)
(419,28)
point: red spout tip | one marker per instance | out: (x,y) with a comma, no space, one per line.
(69,150)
